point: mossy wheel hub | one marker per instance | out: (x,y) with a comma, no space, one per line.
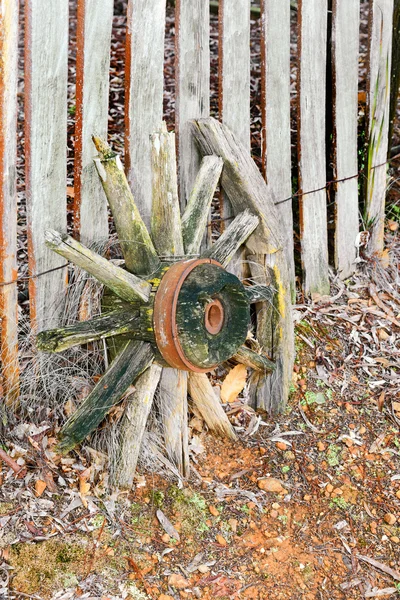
(201,315)
(167,317)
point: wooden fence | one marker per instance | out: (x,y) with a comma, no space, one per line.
(322,36)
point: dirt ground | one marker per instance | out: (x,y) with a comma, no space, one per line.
(304,507)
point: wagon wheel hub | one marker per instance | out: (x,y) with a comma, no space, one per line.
(201,315)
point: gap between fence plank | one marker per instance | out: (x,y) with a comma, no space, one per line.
(92,87)
(8,198)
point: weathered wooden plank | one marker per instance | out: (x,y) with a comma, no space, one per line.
(194,219)
(137,247)
(246,188)
(380,54)
(173,410)
(121,282)
(46,59)
(258,362)
(133,424)
(144,94)
(99,328)
(192,85)
(275,112)
(231,240)
(92,77)
(209,405)
(234,85)
(311,143)
(234,67)
(8,198)
(135,358)
(166,231)
(345,51)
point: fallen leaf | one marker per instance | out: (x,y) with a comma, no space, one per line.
(167,525)
(233,383)
(84,485)
(40,486)
(178,581)
(381,401)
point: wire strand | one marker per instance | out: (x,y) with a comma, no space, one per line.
(296,195)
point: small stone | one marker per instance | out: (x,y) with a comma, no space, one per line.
(166,538)
(329,488)
(321,446)
(269,484)
(203,568)
(233,524)
(274,514)
(390,519)
(178,581)
(221,540)
(214,511)
(276,506)
(281,446)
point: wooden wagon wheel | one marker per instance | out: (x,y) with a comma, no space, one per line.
(176,313)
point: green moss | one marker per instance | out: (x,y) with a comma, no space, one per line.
(192,509)
(43,566)
(6,507)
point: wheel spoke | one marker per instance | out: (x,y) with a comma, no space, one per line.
(103,327)
(137,247)
(124,284)
(166,231)
(124,370)
(194,219)
(258,362)
(230,241)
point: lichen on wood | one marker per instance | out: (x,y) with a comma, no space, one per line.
(124,284)
(137,247)
(194,219)
(135,358)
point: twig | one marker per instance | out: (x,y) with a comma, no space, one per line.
(19,471)
(380,566)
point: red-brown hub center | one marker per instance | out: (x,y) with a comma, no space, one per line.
(214,317)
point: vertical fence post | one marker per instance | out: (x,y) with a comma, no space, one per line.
(311,143)
(234,86)
(92,75)
(143,94)
(46,56)
(380,54)
(275,107)
(345,51)
(192,72)
(8,197)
